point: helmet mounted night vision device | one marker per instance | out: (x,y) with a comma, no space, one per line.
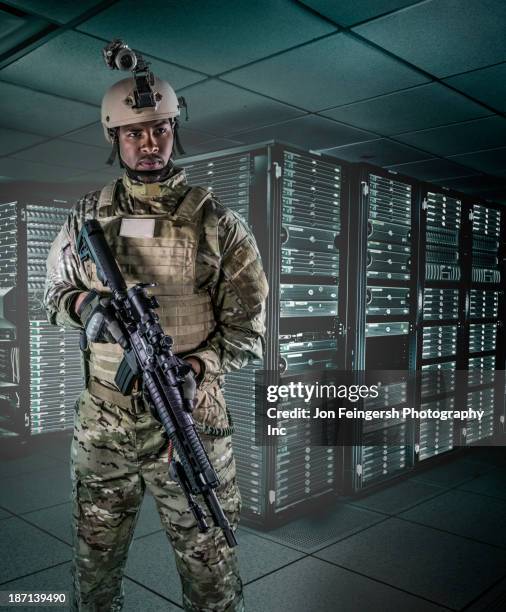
(119,56)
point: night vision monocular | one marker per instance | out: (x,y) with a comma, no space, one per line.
(118,56)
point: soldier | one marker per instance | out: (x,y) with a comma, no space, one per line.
(212,291)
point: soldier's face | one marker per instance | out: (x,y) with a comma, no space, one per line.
(146,146)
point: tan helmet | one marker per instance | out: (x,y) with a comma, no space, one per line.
(118,101)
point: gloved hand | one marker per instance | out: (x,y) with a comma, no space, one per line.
(97,317)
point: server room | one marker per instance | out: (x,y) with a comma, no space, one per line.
(362,146)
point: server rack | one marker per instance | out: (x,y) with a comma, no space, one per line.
(294,202)
(55,361)
(384,310)
(484,232)
(40,362)
(234,178)
(441,320)
(312,315)
(368,270)
(463,310)
(13,423)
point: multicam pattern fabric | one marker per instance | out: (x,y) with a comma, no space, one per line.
(118,452)
(227,264)
(117,455)
(226,267)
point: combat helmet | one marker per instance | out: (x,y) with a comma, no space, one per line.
(137,99)
(119,105)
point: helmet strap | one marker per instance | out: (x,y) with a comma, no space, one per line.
(142,175)
(113,133)
(177,140)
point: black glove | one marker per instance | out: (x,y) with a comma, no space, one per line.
(99,321)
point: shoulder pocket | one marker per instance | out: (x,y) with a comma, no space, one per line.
(243,269)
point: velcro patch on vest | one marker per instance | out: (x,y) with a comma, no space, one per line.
(137,228)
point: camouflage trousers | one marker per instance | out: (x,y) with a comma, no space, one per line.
(116,455)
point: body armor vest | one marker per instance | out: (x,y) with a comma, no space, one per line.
(167,257)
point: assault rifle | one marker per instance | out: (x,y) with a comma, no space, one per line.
(148,354)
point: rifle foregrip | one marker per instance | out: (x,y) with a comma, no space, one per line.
(199,453)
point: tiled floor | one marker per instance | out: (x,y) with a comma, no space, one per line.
(434,541)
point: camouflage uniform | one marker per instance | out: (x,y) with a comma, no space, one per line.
(212,291)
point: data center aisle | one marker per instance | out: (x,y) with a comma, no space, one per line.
(435,541)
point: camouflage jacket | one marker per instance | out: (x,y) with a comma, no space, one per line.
(238,291)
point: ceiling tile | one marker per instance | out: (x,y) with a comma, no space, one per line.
(58,11)
(412,109)
(34,171)
(222,109)
(309,132)
(194,30)
(327,73)
(90,135)
(444,37)
(83,74)
(17,30)
(349,13)
(491,162)
(461,137)
(487,85)
(215,144)
(191,137)
(9,23)
(12,140)
(482,186)
(475,183)
(380,152)
(432,169)
(26,110)
(65,153)
(494,195)
(94,135)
